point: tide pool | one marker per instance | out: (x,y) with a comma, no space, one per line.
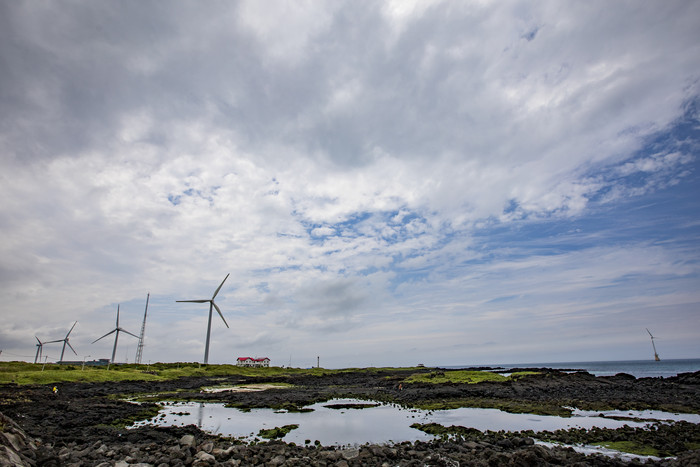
(384,423)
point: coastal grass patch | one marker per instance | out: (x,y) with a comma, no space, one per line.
(630,447)
(458,376)
(146,413)
(511,406)
(521,374)
(70,373)
(444,432)
(30,373)
(290,407)
(463,377)
(277,432)
(662,439)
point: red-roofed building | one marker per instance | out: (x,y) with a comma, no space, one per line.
(254,362)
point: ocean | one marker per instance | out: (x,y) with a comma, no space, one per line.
(636,368)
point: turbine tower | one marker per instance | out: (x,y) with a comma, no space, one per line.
(116,337)
(212,305)
(39,347)
(139,349)
(65,341)
(656,356)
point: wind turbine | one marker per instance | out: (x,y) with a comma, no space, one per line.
(212,305)
(116,337)
(65,341)
(656,356)
(39,347)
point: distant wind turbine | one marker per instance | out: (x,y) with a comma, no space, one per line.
(39,347)
(656,356)
(65,341)
(116,336)
(212,305)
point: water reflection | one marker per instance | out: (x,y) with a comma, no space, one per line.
(381,424)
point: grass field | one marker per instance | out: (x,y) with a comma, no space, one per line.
(30,373)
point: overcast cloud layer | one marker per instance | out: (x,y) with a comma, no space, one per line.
(388,183)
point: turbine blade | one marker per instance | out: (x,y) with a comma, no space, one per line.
(38,340)
(221,285)
(124,330)
(217,309)
(110,332)
(71,347)
(51,342)
(192,301)
(71,329)
(117,315)
(649,333)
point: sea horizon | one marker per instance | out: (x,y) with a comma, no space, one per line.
(638,368)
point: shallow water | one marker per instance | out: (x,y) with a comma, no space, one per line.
(637,368)
(589,449)
(385,423)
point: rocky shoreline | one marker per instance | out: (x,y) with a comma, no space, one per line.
(84,424)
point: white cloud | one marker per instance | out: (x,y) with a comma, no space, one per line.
(347,157)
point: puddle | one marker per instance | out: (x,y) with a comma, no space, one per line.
(244,388)
(656,415)
(588,449)
(384,423)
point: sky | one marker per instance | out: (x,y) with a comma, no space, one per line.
(387,183)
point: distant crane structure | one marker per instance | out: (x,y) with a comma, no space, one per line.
(656,355)
(139,349)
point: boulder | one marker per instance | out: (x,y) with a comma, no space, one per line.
(277,460)
(350,453)
(187,440)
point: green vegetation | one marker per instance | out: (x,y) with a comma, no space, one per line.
(277,432)
(512,406)
(436,429)
(459,376)
(630,447)
(30,373)
(521,374)
(148,412)
(661,439)
(68,373)
(463,376)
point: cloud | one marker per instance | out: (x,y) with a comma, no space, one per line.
(363,161)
